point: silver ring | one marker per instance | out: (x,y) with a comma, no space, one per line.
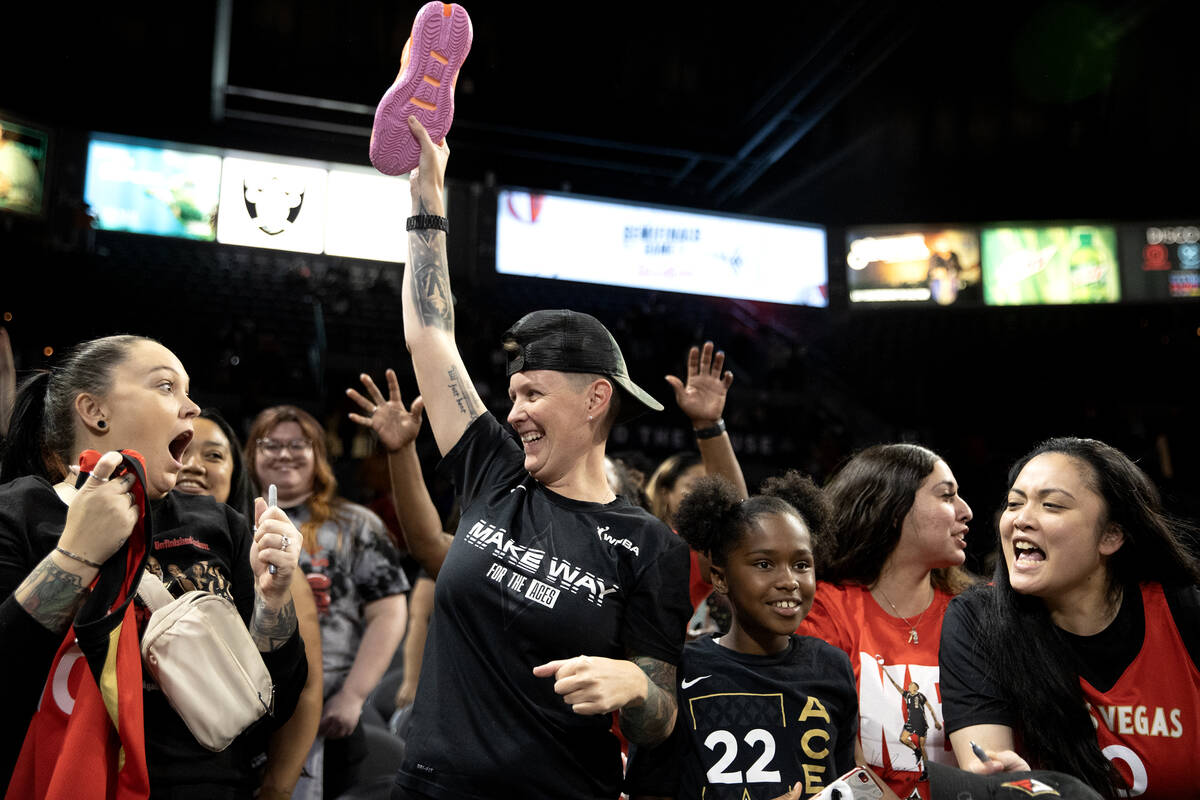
(374,409)
(286,542)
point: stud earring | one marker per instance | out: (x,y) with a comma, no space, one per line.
(101,424)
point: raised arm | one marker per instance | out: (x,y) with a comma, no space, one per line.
(397,428)
(428,305)
(702,399)
(891,680)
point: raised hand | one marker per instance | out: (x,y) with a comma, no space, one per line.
(395,425)
(276,543)
(427,181)
(702,397)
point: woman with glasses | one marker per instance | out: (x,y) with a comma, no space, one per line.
(354,571)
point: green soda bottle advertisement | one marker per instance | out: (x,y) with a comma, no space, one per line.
(1059,265)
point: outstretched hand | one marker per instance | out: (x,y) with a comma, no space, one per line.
(595,685)
(395,425)
(702,397)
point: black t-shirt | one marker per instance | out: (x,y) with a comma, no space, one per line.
(750,726)
(532,577)
(198,544)
(971,694)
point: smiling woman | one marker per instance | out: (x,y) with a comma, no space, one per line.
(57,535)
(589,590)
(213,464)
(354,572)
(1094,609)
(888,569)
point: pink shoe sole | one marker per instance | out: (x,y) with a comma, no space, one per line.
(441,39)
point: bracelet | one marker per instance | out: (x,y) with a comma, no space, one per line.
(427,222)
(711,432)
(77,557)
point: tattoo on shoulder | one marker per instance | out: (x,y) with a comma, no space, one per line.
(430,276)
(463,392)
(270,629)
(651,722)
(52,596)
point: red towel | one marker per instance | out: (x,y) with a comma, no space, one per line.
(87,739)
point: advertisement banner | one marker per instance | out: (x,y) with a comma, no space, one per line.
(23,151)
(144,189)
(1058,265)
(897,265)
(272,204)
(618,244)
(1160,261)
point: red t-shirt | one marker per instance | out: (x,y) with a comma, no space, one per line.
(849,618)
(1148,724)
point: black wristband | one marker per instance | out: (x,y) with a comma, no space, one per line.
(711,432)
(428,222)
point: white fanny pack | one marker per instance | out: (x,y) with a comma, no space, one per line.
(201,655)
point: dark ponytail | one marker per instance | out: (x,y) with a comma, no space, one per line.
(41,437)
(24,452)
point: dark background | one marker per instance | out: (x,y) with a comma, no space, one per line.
(840,113)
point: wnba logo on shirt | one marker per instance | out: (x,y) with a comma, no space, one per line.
(602,533)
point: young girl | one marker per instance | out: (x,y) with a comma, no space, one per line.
(763,713)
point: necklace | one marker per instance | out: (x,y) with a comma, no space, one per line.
(912,629)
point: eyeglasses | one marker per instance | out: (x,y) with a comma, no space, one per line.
(273,447)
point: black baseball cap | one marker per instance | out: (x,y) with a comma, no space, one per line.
(571,341)
(951,783)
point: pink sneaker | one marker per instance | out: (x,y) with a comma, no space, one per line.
(440,41)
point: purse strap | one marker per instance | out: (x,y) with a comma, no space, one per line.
(152,592)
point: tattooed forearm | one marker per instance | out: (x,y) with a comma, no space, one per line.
(652,721)
(271,628)
(52,595)
(430,277)
(464,394)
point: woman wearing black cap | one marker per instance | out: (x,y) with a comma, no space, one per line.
(558,603)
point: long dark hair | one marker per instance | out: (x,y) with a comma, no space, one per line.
(664,478)
(870,496)
(241,492)
(41,434)
(1026,648)
(713,517)
(324,502)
